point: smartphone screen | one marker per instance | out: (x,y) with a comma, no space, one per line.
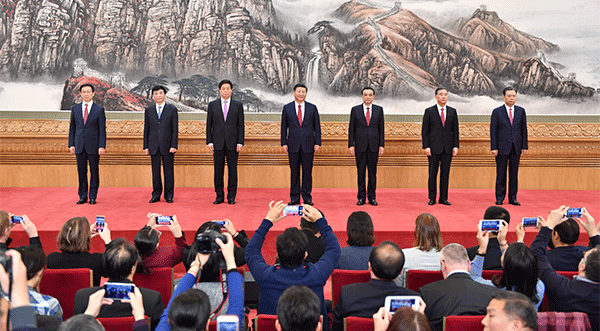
(228,323)
(118,291)
(293,211)
(396,304)
(16,219)
(574,212)
(164,220)
(99,223)
(490,225)
(530,221)
(221,223)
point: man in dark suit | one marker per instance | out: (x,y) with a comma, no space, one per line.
(300,138)
(508,135)
(87,140)
(120,261)
(366,142)
(161,131)
(457,294)
(439,133)
(225,138)
(364,299)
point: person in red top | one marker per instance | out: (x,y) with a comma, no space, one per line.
(147,243)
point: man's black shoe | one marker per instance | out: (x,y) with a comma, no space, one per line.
(515,203)
(431,202)
(169,200)
(153,200)
(360,202)
(231,202)
(92,201)
(82,201)
(295,202)
(310,203)
(445,202)
(499,202)
(218,202)
(373,202)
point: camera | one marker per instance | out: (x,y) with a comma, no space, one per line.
(206,241)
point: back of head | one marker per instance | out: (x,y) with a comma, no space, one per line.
(48,322)
(81,322)
(190,310)
(4,222)
(360,229)
(497,213)
(310,226)
(387,260)
(120,256)
(406,319)
(568,231)
(211,269)
(520,270)
(33,258)
(592,264)
(455,257)
(298,309)
(75,236)
(518,306)
(146,240)
(291,248)
(427,233)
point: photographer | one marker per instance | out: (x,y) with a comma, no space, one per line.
(6,227)
(147,243)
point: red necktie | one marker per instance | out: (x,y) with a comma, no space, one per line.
(85,114)
(300,114)
(510,115)
(443,121)
(368,116)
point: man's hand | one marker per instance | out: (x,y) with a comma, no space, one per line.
(380,150)
(227,250)
(101,151)
(311,213)
(172,150)
(556,217)
(523,151)
(317,148)
(229,227)
(502,233)
(483,238)
(351,150)
(285,148)
(428,151)
(20,292)
(454,151)
(146,151)
(152,219)
(495,152)
(381,319)
(96,301)
(72,149)
(239,148)
(520,231)
(211,147)
(175,227)
(589,224)
(30,228)
(275,210)
(137,304)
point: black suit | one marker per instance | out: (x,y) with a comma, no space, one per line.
(301,141)
(160,135)
(441,140)
(87,139)
(456,295)
(225,135)
(509,140)
(366,140)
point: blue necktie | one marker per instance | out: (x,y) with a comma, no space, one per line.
(159,112)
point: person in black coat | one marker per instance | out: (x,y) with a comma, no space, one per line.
(161,131)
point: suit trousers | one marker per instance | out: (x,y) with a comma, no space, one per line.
(442,162)
(512,161)
(82,164)
(168,168)
(219,171)
(363,160)
(304,160)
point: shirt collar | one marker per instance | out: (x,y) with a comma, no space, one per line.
(301,104)
(457,272)
(161,106)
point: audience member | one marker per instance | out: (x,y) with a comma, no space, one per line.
(496,244)
(457,294)
(520,270)
(147,243)
(291,250)
(364,299)
(581,293)
(74,241)
(81,322)
(428,244)
(298,309)
(48,322)
(120,261)
(6,227)
(316,246)
(404,319)
(34,259)
(361,238)
(510,311)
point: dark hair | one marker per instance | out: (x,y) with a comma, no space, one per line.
(519,306)
(300,85)
(298,309)
(225,81)
(496,213)
(568,231)
(592,265)
(87,84)
(212,268)
(387,260)
(75,236)
(33,258)
(310,226)
(4,222)
(159,87)
(406,319)
(81,322)
(48,322)
(439,89)
(427,233)
(520,271)
(120,256)
(189,310)
(508,88)
(360,229)
(146,240)
(291,247)
(367,88)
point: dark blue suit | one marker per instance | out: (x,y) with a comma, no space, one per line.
(87,139)
(301,141)
(509,140)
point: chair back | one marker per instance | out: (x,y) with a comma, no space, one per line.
(489,274)
(462,323)
(341,277)
(417,278)
(159,279)
(545,305)
(353,323)
(63,284)
(555,321)
(265,322)
(118,323)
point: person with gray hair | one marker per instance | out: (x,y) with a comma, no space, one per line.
(510,310)
(457,293)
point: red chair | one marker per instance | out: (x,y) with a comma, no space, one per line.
(417,278)
(554,321)
(489,274)
(212,326)
(265,322)
(545,306)
(463,323)
(118,323)
(340,278)
(63,284)
(353,323)
(159,279)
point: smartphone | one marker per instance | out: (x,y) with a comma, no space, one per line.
(164,220)
(293,211)
(221,223)
(99,223)
(118,291)
(574,212)
(490,225)
(530,222)
(16,219)
(228,323)
(395,302)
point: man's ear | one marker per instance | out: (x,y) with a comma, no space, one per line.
(277,325)
(370,269)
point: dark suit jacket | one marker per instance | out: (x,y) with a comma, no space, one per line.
(502,134)
(364,299)
(492,255)
(437,137)
(456,295)
(153,304)
(221,132)
(92,134)
(295,136)
(363,136)
(161,135)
